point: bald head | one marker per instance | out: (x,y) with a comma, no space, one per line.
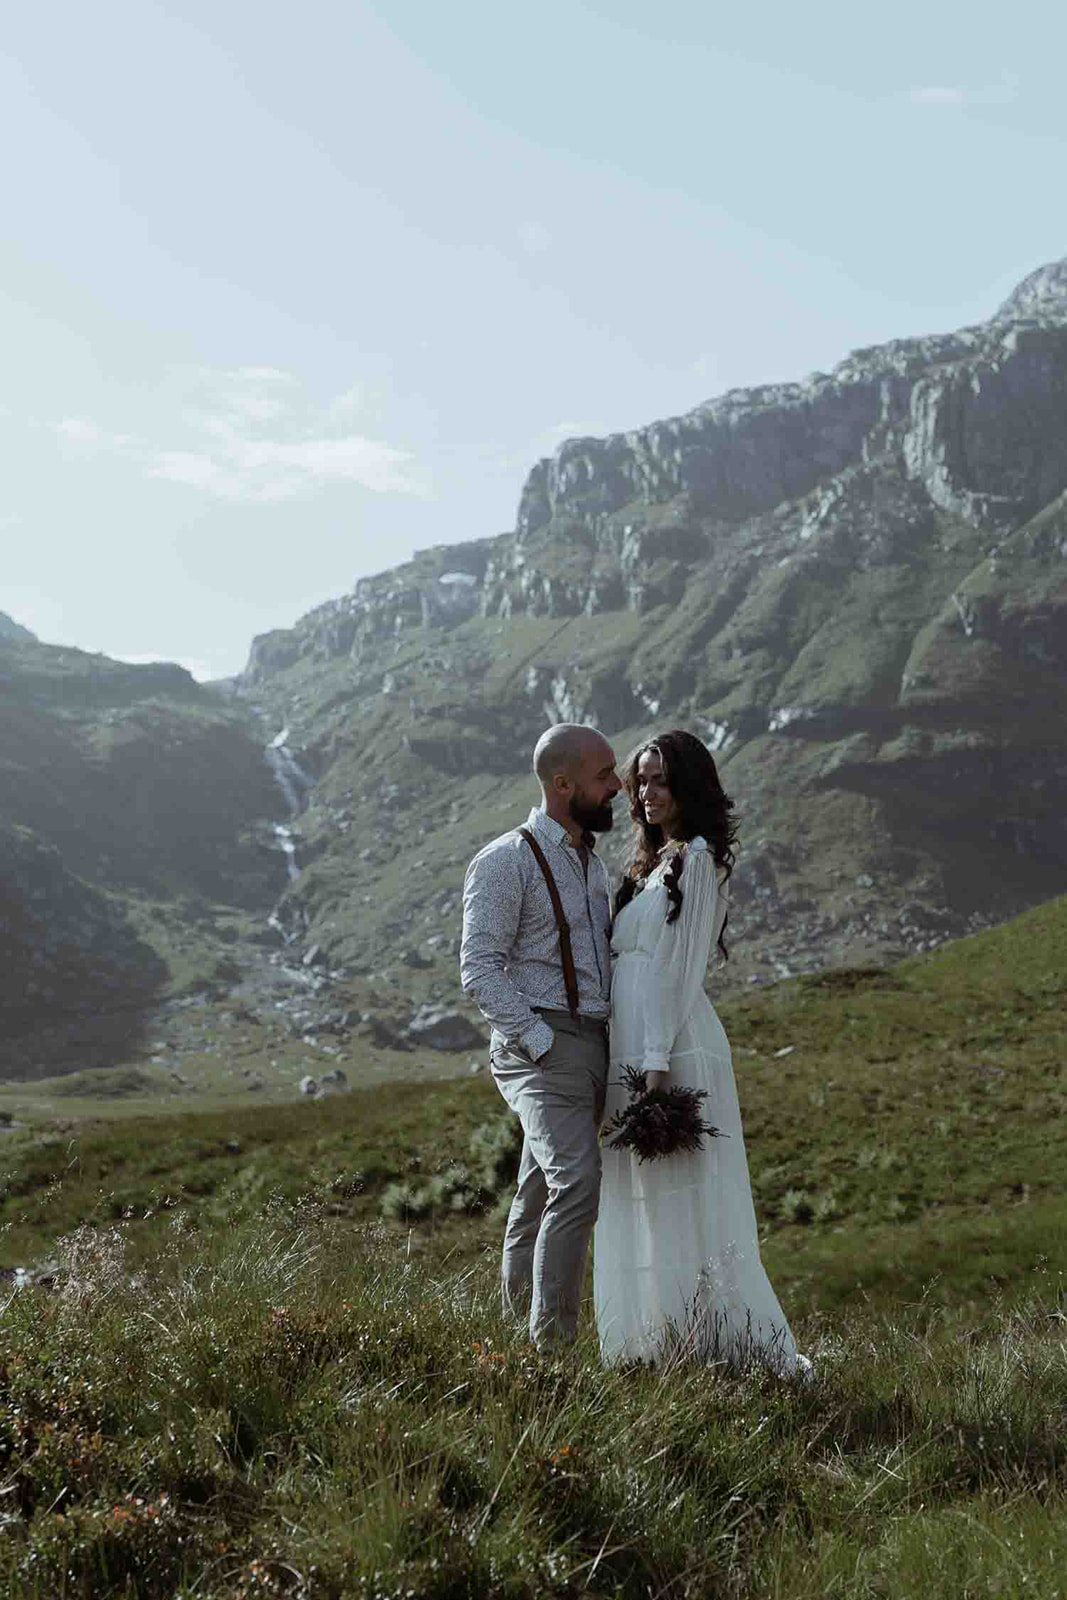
(575,766)
(563,749)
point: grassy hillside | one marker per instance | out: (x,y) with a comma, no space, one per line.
(290,1410)
(905,1130)
(139,776)
(135,851)
(243,1382)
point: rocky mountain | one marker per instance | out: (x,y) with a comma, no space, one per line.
(855,588)
(10,629)
(133,847)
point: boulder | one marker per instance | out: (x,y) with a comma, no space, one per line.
(335,1082)
(442,1029)
(384,1032)
(415,958)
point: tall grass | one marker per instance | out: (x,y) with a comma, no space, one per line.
(290,1406)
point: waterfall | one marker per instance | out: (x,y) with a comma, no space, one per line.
(294,784)
(289,775)
(284,835)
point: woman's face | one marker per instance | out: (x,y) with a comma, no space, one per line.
(653,794)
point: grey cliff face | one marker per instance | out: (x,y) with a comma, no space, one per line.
(855,588)
(442,588)
(965,415)
(971,420)
(985,437)
(1042,295)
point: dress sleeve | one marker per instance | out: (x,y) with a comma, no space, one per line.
(679,962)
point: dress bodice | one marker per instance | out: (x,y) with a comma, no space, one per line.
(639,925)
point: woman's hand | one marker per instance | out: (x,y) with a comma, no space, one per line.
(657,1080)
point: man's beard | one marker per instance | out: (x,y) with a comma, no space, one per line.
(590,818)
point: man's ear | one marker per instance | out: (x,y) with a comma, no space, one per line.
(561,783)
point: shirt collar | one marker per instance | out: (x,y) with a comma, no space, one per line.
(540,821)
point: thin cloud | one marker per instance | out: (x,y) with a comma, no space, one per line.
(353,399)
(185,466)
(259,407)
(534,237)
(251,435)
(943,94)
(255,374)
(90,438)
(267,470)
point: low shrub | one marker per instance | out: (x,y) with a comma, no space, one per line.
(462,1189)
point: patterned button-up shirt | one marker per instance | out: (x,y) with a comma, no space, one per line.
(510,957)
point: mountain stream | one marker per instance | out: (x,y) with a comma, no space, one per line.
(294,784)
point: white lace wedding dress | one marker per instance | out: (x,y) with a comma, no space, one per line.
(677,1268)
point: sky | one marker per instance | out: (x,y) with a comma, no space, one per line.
(288,292)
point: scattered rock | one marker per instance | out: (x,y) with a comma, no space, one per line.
(442,1029)
(334,1082)
(384,1033)
(415,958)
(336,1022)
(309,1086)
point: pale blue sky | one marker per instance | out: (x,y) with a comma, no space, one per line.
(287,292)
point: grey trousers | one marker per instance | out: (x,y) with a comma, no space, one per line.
(560,1101)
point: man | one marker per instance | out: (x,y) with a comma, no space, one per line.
(549,1047)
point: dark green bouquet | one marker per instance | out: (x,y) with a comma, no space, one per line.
(659,1122)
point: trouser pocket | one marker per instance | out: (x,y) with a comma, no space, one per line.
(501,1050)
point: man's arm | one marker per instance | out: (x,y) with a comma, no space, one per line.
(492,909)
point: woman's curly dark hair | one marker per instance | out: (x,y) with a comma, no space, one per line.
(704,808)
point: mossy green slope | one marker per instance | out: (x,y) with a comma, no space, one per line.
(906,1132)
(237,1381)
(127,794)
(281,1406)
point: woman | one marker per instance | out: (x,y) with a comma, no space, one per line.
(677,1268)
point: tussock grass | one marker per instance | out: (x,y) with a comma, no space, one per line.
(913,1141)
(285,1407)
(222,1164)
(243,1383)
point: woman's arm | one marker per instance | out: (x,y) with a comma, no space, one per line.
(679,962)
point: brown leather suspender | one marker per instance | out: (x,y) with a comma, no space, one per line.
(570,977)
